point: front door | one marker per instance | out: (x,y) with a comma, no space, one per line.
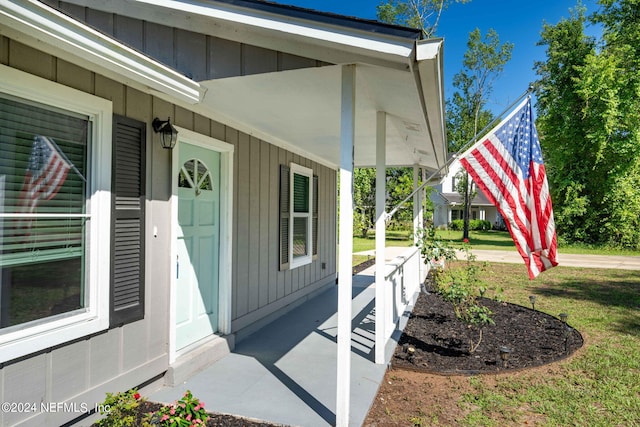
(197,277)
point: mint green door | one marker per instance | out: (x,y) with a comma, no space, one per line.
(198,244)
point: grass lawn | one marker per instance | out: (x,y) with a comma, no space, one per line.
(598,387)
(486,240)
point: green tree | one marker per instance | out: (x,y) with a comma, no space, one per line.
(483,63)
(422,14)
(400,185)
(364,199)
(589,121)
(425,15)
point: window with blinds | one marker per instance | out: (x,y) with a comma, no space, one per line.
(43,216)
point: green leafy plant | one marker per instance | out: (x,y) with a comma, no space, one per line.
(120,409)
(186,412)
(461,287)
(433,248)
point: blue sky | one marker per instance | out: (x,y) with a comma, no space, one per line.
(516,21)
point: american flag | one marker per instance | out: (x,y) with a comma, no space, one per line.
(507,166)
(45,174)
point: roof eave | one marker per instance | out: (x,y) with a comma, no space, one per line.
(336,41)
(44,28)
(430,63)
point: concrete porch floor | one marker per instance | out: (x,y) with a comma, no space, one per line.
(285,373)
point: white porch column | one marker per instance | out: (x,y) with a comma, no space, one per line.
(347,136)
(381,181)
(417,203)
(418,212)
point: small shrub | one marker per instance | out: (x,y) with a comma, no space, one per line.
(120,409)
(461,287)
(479,224)
(474,224)
(186,412)
(433,248)
(457,225)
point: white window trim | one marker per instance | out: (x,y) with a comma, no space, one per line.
(63,329)
(307,259)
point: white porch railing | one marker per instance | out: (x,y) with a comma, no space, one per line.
(403,277)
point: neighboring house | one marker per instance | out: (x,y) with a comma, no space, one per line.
(122,261)
(448,204)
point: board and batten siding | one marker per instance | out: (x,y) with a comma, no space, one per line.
(259,287)
(198,56)
(83,371)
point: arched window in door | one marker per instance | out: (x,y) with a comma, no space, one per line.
(195,174)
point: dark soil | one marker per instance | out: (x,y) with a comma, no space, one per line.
(215,420)
(440,341)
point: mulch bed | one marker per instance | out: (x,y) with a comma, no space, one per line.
(364,265)
(215,419)
(441,341)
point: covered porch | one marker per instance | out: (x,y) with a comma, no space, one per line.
(285,373)
(374,113)
(373,98)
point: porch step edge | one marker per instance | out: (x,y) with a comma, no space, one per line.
(203,354)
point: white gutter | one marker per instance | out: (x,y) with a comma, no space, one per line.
(433,49)
(430,52)
(39,26)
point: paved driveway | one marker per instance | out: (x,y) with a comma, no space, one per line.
(566,260)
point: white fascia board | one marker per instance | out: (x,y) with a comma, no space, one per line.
(30,21)
(430,63)
(428,49)
(371,44)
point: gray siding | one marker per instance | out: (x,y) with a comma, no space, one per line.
(197,56)
(127,356)
(257,282)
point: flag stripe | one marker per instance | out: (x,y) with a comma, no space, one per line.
(45,175)
(501,183)
(507,166)
(503,177)
(491,183)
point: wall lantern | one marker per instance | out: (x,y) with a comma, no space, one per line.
(168,134)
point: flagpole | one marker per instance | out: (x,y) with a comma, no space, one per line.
(472,141)
(66,159)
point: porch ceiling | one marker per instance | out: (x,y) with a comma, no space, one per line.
(300,110)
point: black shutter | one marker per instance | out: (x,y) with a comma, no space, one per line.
(314,243)
(284,217)
(127,221)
